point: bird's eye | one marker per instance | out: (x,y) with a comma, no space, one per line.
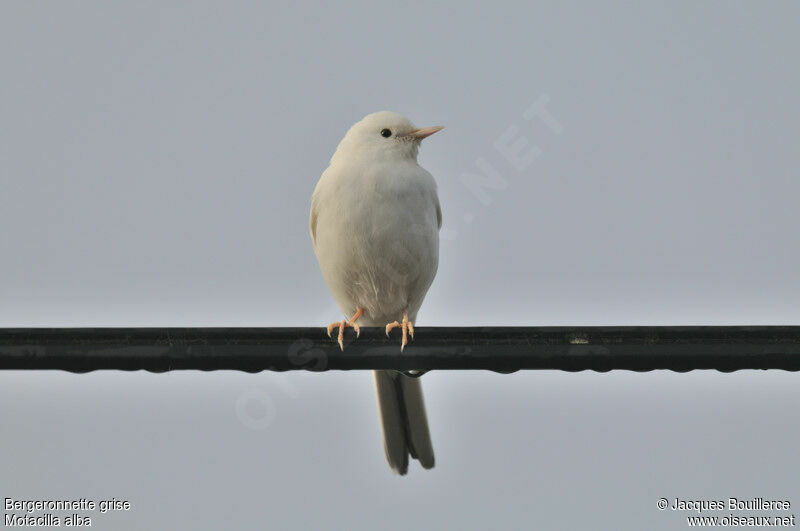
(386,133)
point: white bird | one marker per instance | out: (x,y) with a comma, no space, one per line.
(375,220)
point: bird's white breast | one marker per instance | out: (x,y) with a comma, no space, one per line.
(376,237)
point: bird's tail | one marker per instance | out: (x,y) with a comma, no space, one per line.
(405,425)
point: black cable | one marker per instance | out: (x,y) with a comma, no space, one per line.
(501,349)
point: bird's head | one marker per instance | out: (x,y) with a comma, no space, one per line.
(383,135)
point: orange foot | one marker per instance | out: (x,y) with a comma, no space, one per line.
(408,330)
(344,324)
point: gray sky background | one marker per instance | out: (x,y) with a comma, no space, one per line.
(157,163)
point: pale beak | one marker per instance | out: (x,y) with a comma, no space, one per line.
(425,132)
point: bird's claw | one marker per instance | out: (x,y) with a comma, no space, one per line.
(344,323)
(407,327)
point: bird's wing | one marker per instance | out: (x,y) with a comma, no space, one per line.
(438,212)
(312,222)
(317,202)
(315,206)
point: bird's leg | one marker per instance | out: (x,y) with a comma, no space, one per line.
(344,324)
(406,325)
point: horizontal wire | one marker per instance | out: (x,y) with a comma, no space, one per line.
(500,349)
